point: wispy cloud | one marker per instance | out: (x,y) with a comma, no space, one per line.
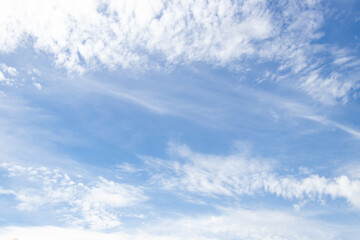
(326,90)
(218,103)
(242,174)
(327,122)
(297,109)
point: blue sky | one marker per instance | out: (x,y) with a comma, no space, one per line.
(179,119)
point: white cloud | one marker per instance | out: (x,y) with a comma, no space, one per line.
(37,85)
(148,34)
(186,100)
(94,204)
(353,131)
(128,168)
(351,169)
(6,191)
(211,174)
(7,75)
(34,71)
(10,70)
(241,174)
(5,81)
(326,90)
(2,77)
(230,223)
(300,110)
(240,223)
(126,33)
(342,60)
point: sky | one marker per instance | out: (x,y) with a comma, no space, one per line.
(181,119)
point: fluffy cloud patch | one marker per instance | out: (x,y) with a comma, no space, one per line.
(10,70)
(7,75)
(96,204)
(37,85)
(154,34)
(126,33)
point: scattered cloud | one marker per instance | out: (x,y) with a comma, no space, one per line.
(6,81)
(37,85)
(155,34)
(9,76)
(326,90)
(128,33)
(34,71)
(94,204)
(9,70)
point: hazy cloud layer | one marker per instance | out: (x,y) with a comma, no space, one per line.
(234,223)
